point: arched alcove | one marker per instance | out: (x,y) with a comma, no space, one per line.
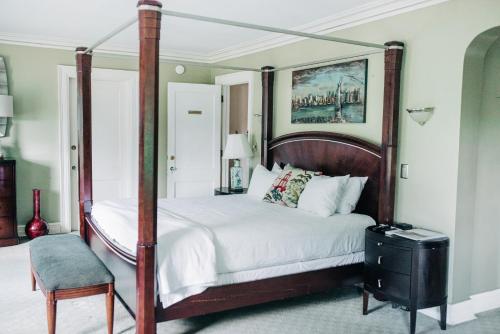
(477,229)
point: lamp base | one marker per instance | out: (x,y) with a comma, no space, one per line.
(236,183)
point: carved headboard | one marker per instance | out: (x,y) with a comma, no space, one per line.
(335,155)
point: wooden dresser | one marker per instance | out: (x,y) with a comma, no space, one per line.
(407,272)
(8,218)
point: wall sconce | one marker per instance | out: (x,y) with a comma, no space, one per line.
(421,115)
(6,111)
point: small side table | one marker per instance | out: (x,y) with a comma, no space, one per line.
(229,191)
(407,272)
(8,217)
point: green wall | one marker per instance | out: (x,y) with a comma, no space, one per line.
(436,40)
(34,139)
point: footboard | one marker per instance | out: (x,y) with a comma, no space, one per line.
(119,262)
(228,297)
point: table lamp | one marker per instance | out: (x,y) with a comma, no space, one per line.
(237,147)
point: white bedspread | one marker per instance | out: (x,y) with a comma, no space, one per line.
(201,238)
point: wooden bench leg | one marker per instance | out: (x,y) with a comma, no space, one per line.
(51,311)
(110,307)
(33,281)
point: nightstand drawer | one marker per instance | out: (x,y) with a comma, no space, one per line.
(391,284)
(6,208)
(6,172)
(6,228)
(6,188)
(383,256)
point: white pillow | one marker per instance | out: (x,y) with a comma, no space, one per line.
(261,181)
(276,169)
(351,195)
(322,194)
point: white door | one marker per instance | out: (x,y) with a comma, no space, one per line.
(114,137)
(194,139)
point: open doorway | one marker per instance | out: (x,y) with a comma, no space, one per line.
(477,251)
(237,108)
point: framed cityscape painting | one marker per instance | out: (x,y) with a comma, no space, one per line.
(330,94)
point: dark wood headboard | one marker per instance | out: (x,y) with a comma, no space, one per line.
(335,155)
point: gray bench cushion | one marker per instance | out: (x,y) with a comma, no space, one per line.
(66,262)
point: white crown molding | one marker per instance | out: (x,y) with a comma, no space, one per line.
(35,41)
(362,14)
(372,11)
(467,310)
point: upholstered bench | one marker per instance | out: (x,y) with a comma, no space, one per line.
(64,267)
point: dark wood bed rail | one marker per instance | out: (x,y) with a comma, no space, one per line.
(146,313)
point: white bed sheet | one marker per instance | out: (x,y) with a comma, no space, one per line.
(250,239)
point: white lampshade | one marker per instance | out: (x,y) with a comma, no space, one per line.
(6,106)
(237,147)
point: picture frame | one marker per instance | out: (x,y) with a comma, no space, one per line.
(333,93)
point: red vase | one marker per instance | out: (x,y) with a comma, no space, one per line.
(36,227)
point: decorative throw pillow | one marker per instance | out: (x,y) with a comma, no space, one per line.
(288,167)
(287,187)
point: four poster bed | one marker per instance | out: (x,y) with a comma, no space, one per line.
(334,154)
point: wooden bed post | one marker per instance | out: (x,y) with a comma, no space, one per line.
(267,112)
(84,112)
(393,60)
(149,37)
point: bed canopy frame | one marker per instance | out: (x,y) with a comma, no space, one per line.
(136,275)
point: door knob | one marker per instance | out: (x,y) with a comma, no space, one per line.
(73,147)
(73,167)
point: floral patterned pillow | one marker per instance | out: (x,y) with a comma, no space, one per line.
(288,167)
(288,186)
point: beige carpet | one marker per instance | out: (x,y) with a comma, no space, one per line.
(23,312)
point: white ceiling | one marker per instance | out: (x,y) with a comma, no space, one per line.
(71,23)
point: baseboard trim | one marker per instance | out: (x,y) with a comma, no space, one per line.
(467,310)
(54,228)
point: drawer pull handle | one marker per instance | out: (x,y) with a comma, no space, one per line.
(379,259)
(380,243)
(379,283)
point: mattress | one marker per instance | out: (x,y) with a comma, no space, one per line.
(233,239)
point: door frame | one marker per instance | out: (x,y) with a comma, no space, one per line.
(227,80)
(64,75)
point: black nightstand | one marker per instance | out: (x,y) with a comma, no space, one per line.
(407,272)
(229,191)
